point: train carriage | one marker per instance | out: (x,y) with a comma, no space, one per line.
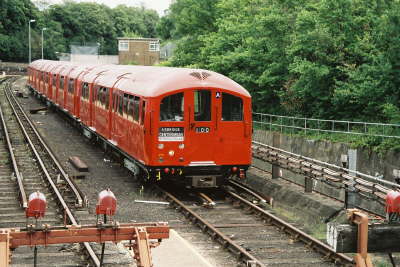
(188,125)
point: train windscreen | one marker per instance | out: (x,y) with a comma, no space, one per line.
(232,108)
(171,108)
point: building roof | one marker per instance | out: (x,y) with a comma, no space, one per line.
(138,39)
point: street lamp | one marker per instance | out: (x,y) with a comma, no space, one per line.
(32,20)
(43,29)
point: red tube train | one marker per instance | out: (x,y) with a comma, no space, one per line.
(182,124)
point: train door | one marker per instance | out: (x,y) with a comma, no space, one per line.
(234,135)
(101,110)
(119,131)
(201,128)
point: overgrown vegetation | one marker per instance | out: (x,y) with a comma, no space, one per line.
(69,23)
(331,59)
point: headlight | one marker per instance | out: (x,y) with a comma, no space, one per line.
(160,146)
(171,153)
(181,146)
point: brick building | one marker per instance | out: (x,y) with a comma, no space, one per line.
(138,51)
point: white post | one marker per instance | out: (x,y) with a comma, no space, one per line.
(32,20)
(43,29)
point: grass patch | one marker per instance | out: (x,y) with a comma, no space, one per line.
(316,230)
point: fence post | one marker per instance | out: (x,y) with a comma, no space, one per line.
(350,193)
(308,184)
(276,142)
(270,123)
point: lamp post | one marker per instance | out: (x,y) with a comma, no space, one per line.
(32,20)
(43,29)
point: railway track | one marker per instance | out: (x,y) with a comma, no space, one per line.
(240,230)
(254,235)
(27,167)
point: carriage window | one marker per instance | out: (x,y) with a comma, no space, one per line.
(130,108)
(143,112)
(98,95)
(106,98)
(54,79)
(71,86)
(232,108)
(126,100)
(114,101)
(136,105)
(85,91)
(120,104)
(171,108)
(62,83)
(202,105)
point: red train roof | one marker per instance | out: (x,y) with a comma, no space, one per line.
(148,81)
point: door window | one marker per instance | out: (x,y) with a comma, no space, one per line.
(232,108)
(171,108)
(61,83)
(202,105)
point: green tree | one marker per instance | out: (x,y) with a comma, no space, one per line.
(15,15)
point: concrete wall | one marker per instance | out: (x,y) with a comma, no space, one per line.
(367,162)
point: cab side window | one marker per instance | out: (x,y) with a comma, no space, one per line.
(232,108)
(171,108)
(143,113)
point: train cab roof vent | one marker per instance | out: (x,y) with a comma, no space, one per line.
(201,75)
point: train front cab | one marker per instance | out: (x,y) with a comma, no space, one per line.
(205,130)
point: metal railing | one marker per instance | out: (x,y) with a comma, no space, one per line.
(297,125)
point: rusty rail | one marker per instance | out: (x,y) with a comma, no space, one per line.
(224,240)
(59,197)
(23,197)
(81,199)
(299,235)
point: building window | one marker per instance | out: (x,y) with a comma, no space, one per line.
(123,46)
(154,46)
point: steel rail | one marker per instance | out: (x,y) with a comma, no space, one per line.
(380,185)
(81,199)
(298,234)
(24,199)
(243,187)
(60,199)
(228,243)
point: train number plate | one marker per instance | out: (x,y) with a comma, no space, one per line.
(202,129)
